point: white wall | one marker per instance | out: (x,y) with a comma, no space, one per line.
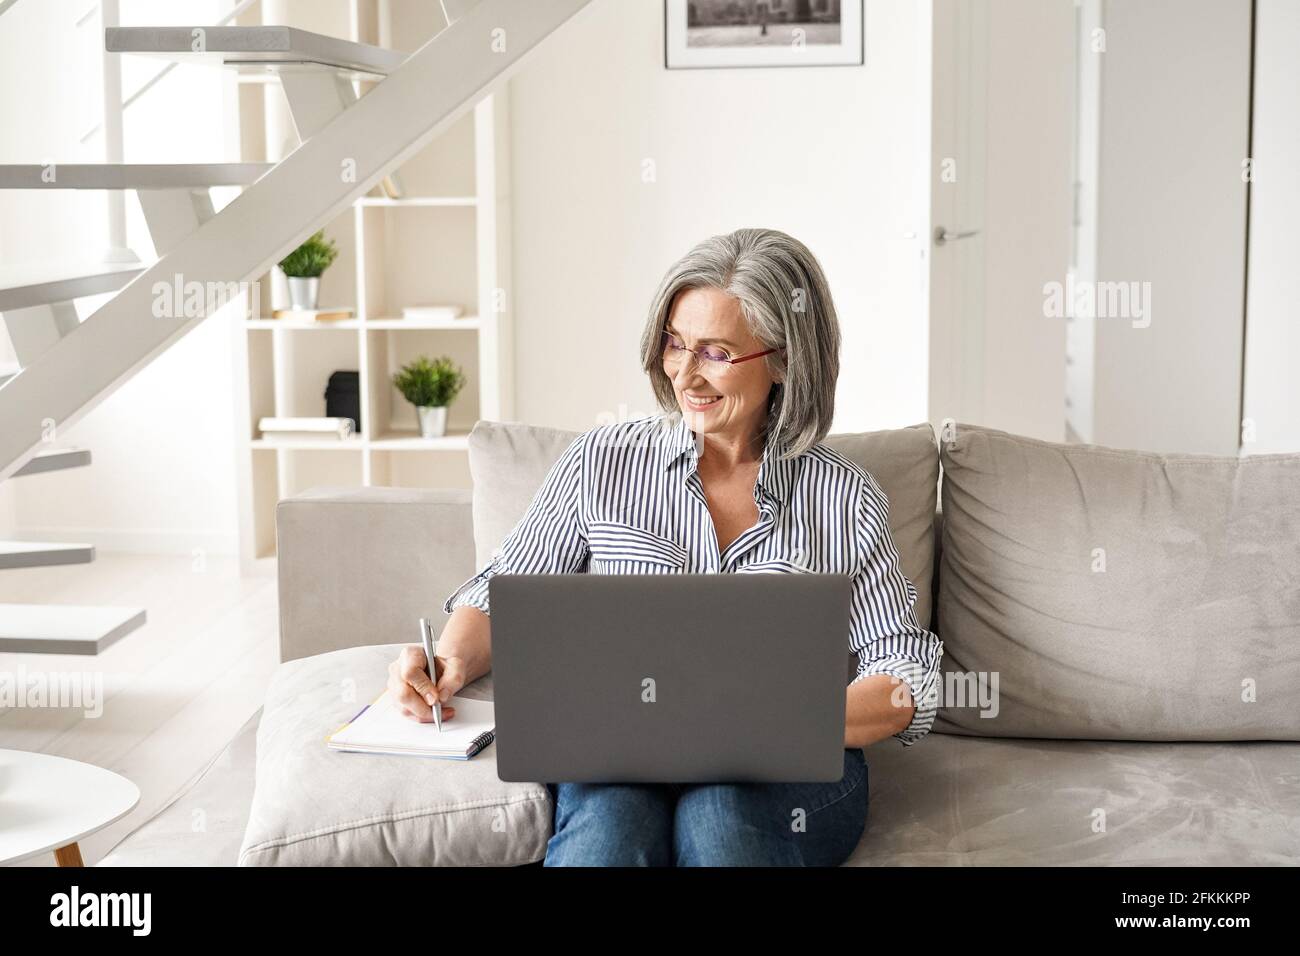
(163,474)
(826,154)
(1272,387)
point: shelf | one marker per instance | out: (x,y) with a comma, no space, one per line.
(301,324)
(389,441)
(384,323)
(354,443)
(416,201)
(396,440)
(392,322)
(455,251)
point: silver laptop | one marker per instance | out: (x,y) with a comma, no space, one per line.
(663,678)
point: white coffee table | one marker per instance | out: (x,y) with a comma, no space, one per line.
(49,803)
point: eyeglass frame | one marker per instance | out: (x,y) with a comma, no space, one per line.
(701,360)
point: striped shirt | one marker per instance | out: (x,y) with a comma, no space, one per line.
(626,498)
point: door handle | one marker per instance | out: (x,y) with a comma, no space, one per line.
(942,235)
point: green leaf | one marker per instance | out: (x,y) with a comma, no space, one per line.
(429,382)
(311,258)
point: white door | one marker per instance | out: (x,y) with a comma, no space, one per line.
(1271,390)
(1001,201)
(956,245)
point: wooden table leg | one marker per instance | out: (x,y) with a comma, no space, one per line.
(69,855)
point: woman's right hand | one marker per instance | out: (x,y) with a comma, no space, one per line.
(414,693)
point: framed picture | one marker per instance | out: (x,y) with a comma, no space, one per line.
(739,33)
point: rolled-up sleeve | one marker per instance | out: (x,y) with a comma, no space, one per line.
(883,629)
(549,538)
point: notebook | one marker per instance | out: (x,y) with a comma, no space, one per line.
(380,728)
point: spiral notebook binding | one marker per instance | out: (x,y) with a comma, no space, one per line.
(481,741)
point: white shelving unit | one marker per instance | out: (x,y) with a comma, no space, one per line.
(445,241)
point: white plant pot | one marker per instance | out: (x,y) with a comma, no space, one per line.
(433,420)
(303,292)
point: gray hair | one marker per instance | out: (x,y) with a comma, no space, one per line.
(786,302)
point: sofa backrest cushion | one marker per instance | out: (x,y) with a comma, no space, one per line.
(1119,595)
(508,462)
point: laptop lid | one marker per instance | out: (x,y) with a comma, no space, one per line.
(658,678)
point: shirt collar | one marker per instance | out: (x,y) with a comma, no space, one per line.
(775,473)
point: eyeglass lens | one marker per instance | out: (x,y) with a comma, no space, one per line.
(675,352)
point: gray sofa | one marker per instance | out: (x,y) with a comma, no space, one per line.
(1104,750)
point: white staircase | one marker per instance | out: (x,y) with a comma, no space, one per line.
(66,366)
(58,629)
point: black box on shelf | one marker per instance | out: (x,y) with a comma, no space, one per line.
(343,398)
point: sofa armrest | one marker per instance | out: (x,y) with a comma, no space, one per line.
(362,565)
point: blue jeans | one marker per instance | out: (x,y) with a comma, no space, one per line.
(710,824)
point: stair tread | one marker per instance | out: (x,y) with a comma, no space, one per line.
(27,284)
(254,45)
(131,175)
(64,629)
(20,547)
(43,554)
(54,459)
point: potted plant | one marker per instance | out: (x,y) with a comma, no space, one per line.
(430,385)
(304,266)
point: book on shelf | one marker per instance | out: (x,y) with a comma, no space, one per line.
(431,312)
(313,315)
(314,428)
(393,186)
(390,187)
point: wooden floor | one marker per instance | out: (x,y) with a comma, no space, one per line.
(174,691)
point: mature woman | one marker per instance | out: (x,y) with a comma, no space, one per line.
(742,349)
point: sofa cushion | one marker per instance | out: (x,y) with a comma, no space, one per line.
(314,806)
(508,462)
(973,801)
(341,549)
(905,463)
(1118,594)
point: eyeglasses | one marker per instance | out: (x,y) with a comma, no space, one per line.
(709,356)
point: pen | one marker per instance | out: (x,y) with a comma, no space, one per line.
(431,648)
